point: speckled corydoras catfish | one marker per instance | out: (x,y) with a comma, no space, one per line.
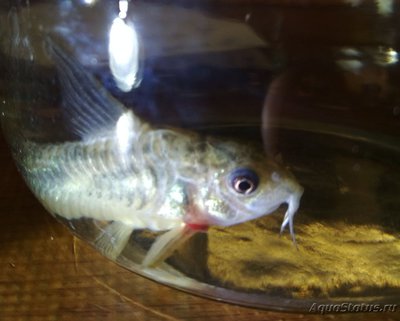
(136,176)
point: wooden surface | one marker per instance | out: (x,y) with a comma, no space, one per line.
(47,274)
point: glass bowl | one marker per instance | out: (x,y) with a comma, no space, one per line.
(246,151)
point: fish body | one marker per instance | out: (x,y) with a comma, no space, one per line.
(140,177)
(94,179)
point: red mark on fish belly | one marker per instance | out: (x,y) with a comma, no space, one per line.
(198,227)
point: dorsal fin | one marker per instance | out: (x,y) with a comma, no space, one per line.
(89,108)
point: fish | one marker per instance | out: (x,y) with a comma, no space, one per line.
(134,175)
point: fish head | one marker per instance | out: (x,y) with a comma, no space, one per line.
(240,184)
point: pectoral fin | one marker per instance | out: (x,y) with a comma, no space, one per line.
(167,243)
(114,239)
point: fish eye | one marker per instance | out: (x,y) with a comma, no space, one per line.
(244,181)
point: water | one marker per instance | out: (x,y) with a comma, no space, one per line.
(315,86)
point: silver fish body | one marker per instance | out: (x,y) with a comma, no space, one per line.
(140,177)
(90,179)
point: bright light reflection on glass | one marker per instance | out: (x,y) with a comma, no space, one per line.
(123,132)
(89,2)
(392,56)
(123,54)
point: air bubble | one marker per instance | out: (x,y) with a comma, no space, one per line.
(275,177)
